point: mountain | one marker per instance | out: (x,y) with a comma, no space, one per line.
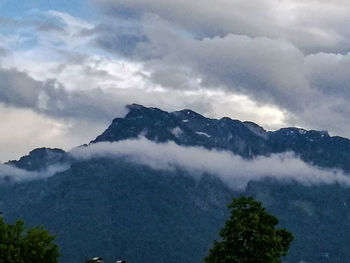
(40,159)
(246,139)
(117,208)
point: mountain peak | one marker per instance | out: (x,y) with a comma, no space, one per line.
(187,114)
(135,106)
(256,129)
(139,111)
(40,158)
(153,123)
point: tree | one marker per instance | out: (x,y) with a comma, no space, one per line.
(250,236)
(20,245)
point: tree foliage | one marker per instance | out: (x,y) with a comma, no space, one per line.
(21,245)
(250,236)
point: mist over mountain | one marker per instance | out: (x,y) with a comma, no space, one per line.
(154,187)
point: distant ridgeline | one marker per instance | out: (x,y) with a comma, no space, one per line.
(115,208)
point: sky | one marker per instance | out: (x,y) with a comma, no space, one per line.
(68,68)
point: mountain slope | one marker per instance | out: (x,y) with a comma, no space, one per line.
(117,209)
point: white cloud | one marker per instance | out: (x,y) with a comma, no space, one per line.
(23,130)
(231,169)
(10,173)
(72,34)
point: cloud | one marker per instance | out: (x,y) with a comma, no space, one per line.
(268,70)
(74,93)
(10,173)
(231,169)
(258,67)
(23,130)
(312,26)
(124,38)
(92,86)
(72,33)
(329,73)
(51,98)
(255,61)
(40,113)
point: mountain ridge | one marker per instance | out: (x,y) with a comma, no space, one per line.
(188,128)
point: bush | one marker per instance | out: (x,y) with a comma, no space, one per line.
(20,245)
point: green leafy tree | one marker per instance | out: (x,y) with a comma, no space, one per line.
(18,245)
(250,236)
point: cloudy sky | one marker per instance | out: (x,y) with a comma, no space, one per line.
(67,68)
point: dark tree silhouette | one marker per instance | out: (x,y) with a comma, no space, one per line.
(250,236)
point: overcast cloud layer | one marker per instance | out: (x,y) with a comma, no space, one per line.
(64,77)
